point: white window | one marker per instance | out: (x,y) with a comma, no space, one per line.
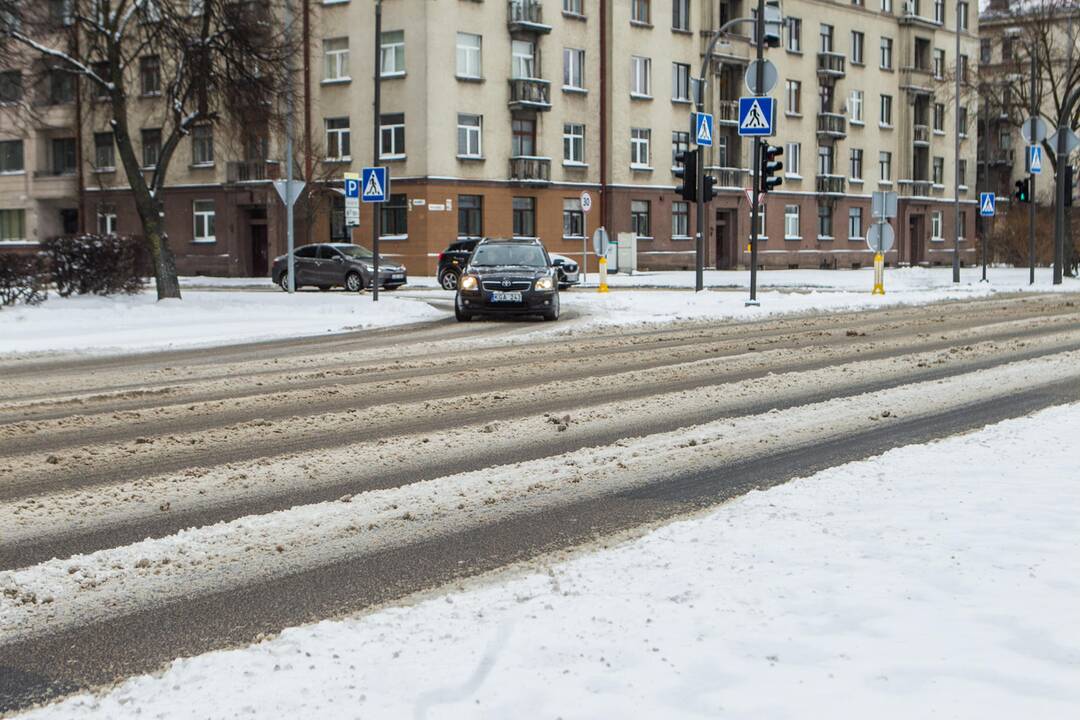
(392,132)
(573,143)
(886,53)
(393,53)
(680,220)
(640,76)
(574,68)
(680,82)
(761,221)
(855,164)
(939,11)
(885,166)
(886,6)
(468,55)
(939,117)
(573,7)
(794,35)
(854,226)
(680,14)
(336,55)
(204,221)
(939,63)
(794,159)
(524,59)
(469,132)
(793,93)
(885,120)
(640,11)
(858,43)
(856,106)
(826,35)
(202,145)
(963,8)
(639,147)
(106,218)
(573,218)
(337,139)
(791,223)
(935,225)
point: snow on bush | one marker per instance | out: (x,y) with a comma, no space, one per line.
(94,264)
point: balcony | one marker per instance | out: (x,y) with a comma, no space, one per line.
(727,112)
(526,16)
(831,184)
(831,126)
(913,19)
(530,94)
(830,65)
(1003,157)
(915,188)
(530,169)
(727,177)
(917,80)
(921,136)
(241,171)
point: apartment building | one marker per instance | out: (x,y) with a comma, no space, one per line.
(497,114)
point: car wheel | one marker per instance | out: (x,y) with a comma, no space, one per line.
(553,314)
(283,282)
(353,282)
(459,313)
(449,280)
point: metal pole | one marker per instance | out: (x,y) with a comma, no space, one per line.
(983,222)
(759,33)
(376,222)
(1062,156)
(1031,180)
(290,237)
(956,159)
(699,265)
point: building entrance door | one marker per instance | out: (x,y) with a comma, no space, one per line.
(725,240)
(916,241)
(260,251)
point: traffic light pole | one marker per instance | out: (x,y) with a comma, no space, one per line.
(1031,182)
(755,193)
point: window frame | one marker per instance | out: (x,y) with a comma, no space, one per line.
(209,222)
(337,57)
(342,139)
(788,215)
(467,53)
(641,217)
(572,140)
(640,138)
(392,127)
(396,51)
(471,133)
(640,77)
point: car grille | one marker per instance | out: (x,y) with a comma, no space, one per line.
(570,268)
(513,285)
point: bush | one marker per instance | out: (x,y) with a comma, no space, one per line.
(21,279)
(97,264)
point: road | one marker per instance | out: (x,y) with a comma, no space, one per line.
(439,452)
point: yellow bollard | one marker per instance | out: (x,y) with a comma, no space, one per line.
(603,275)
(879,274)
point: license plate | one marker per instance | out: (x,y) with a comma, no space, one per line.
(398,276)
(499,296)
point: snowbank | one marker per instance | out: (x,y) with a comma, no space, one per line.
(934,580)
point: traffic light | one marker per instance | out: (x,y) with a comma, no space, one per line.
(1021,194)
(769,166)
(773,23)
(687,172)
(708,188)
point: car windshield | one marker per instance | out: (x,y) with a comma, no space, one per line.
(524,255)
(355,251)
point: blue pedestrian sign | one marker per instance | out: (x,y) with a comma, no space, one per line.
(756,116)
(375,182)
(1035,159)
(703,129)
(987,204)
(352,187)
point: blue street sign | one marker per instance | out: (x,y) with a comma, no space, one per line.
(1035,159)
(756,116)
(987,204)
(375,182)
(352,187)
(703,129)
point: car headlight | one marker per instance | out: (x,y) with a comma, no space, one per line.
(469,282)
(544,283)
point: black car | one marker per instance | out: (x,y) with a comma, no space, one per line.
(452,260)
(327,265)
(508,277)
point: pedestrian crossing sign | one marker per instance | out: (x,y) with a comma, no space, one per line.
(375,184)
(986,204)
(756,116)
(703,129)
(1035,159)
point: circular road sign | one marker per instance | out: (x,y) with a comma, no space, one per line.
(1040,130)
(586,202)
(770,77)
(600,241)
(880,237)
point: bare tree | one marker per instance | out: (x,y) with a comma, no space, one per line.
(217,62)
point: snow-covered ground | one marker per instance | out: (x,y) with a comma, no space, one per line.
(934,580)
(129,323)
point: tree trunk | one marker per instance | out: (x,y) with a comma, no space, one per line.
(157,242)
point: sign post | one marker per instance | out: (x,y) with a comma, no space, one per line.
(880,236)
(375,188)
(586,206)
(352,200)
(756,119)
(600,246)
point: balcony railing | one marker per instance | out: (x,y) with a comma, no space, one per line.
(830,65)
(238,171)
(530,93)
(831,125)
(921,135)
(917,80)
(529,168)
(1003,157)
(915,188)
(727,177)
(831,184)
(727,112)
(526,16)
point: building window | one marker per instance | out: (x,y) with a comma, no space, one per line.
(939,64)
(886,53)
(639,147)
(640,77)
(1004,137)
(939,11)
(984,50)
(680,82)
(392,132)
(885,166)
(939,117)
(825,160)
(935,225)
(469,131)
(336,58)
(395,216)
(791,223)
(574,143)
(963,225)
(106,219)
(793,94)
(794,159)
(794,34)
(680,14)
(339,232)
(826,35)
(962,173)
(12,225)
(962,122)
(573,7)
(11,157)
(468,55)
(523,138)
(680,143)
(392,45)
(337,139)
(524,217)
(202,145)
(962,62)
(858,43)
(523,59)
(150,75)
(10,86)
(204,221)
(854,223)
(963,8)
(574,68)
(640,223)
(824,220)
(640,11)
(573,219)
(63,156)
(855,164)
(856,103)
(885,119)
(886,6)
(1006,47)
(104,153)
(939,171)
(680,220)
(470,216)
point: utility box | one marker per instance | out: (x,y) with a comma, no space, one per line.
(626,253)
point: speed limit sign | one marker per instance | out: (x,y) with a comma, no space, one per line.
(586,202)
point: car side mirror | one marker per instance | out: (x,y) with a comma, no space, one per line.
(339,259)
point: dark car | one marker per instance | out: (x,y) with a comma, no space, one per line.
(328,265)
(508,277)
(567,270)
(452,260)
